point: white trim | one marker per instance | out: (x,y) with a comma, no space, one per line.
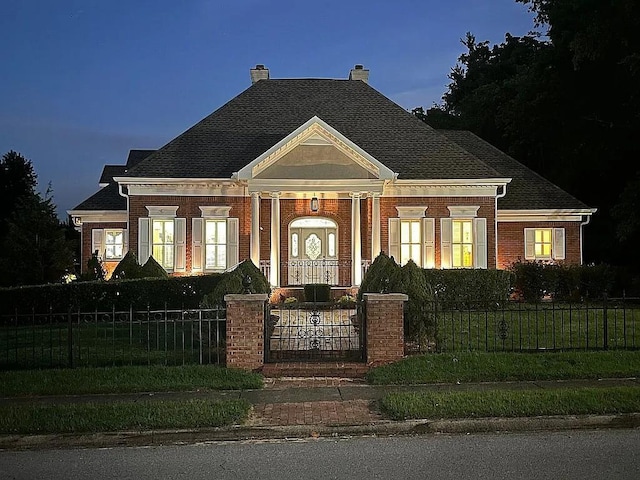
(189,189)
(411,212)
(559,215)
(158,211)
(296,187)
(312,129)
(463,211)
(442,188)
(214,211)
(97,216)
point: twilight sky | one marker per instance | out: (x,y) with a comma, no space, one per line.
(84,81)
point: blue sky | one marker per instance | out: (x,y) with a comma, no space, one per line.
(84,81)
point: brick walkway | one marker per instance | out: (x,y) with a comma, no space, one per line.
(350,412)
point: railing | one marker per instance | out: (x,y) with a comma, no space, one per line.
(301,272)
(612,323)
(111,338)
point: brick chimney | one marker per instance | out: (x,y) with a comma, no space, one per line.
(259,73)
(359,73)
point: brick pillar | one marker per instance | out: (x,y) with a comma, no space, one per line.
(245,330)
(385,327)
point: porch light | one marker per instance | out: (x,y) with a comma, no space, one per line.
(315,204)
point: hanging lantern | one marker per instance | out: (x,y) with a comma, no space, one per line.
(315,204)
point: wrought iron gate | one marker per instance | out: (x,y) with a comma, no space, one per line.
(314,332)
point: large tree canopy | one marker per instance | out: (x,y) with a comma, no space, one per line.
(34,247)
(566,102)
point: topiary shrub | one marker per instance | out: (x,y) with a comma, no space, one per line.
(128,268)
(230,282)
(152,269)
(259,283)
(376,276)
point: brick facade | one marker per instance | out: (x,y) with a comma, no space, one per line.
(85,239)
(385,327)
(245,331)
(511,241)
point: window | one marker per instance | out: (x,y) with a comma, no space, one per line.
(215,244)
(162,242)
(294,245)
(114,244)
(410,242)
(462,244)
(544,243)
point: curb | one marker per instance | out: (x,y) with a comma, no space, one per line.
(381,428)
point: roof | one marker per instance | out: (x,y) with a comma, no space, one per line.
(110,171)
(265,113)
(107,198)
(527,190)
(136,156)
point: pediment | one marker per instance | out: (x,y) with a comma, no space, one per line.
(315,151)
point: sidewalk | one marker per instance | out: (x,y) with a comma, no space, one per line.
(318,407)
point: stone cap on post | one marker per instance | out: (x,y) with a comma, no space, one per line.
(246,297)
(385,296)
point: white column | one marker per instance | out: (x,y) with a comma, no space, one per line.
(274,275)
(375,226)
(356,244)
(255,229)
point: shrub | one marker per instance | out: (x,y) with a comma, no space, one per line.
(152,269)
(231,282)
(127,268)
(378,275)
(317,292)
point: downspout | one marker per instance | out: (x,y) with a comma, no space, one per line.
(582,224)
(126,195)
(501,195)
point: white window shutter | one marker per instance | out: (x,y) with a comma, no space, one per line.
(180,244)
(125,242)
(480,242)
(233,235)
(529,243)
(394,239)
(445,242)
(196,244)
(558,244)
(428,242)
(97,242)
(143,240)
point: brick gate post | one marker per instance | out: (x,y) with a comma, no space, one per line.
(245,330)
(384,327)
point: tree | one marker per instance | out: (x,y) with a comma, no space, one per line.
(34,245)
(564,101)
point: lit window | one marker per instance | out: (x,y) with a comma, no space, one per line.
(294,245)
(332,245)
(462,244)
(162,243)
(114,244)
(410,243)
(215,244)
(542,243)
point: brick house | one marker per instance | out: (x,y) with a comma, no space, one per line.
(312,178)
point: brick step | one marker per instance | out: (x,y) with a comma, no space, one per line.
(314,369)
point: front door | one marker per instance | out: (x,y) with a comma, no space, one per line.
(313,251)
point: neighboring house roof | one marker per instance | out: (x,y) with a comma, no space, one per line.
(527,190)
(107,198)
(265,113)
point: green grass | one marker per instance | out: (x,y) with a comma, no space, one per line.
(508,403)
(484,367)
(126,379)
(91,417)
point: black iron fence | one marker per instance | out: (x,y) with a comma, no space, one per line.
(610,323)
(112,338)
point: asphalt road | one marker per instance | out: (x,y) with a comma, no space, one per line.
(611,454)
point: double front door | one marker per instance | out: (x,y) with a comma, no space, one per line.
(313,251)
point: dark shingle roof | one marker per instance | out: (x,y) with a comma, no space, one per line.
(136,156)
(106,198)
(110,171)
(527,190)
(248,125)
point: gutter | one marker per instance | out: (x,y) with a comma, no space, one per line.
(495,219)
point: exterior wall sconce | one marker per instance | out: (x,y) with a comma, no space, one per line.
(315,204)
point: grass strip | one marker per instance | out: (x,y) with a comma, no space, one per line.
(121,416)
(509,403)
(128,379)
(485,367)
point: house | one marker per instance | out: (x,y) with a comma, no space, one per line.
(312,178)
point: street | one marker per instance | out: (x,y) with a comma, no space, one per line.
(564,455)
